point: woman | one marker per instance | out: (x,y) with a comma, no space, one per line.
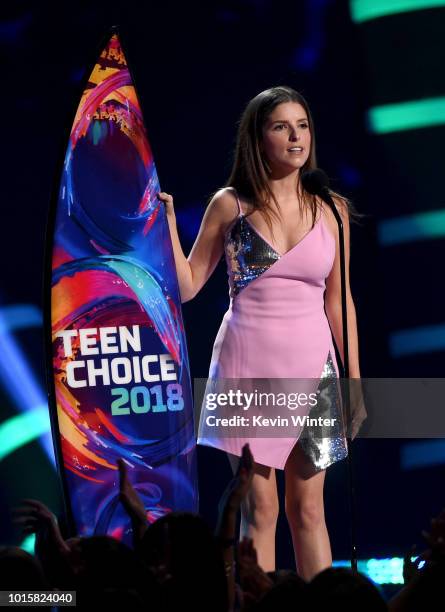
(282,252)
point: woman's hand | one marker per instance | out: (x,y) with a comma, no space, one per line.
(358,413)
(168,202)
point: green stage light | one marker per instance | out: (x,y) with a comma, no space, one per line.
(365,10)
(409,228)
(410,115)
(21,429)
(28,544)
(380,571)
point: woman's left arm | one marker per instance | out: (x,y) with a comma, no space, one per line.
(333,297)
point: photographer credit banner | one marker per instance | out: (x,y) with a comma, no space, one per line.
(118,365)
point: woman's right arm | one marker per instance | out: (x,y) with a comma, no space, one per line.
(194,271)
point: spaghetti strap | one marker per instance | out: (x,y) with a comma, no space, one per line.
(240,212)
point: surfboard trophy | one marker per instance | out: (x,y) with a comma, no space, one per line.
(118,371)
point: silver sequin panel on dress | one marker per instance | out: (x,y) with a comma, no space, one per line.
(248,255)
(326,445)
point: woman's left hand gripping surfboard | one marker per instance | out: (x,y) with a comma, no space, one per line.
(119,371)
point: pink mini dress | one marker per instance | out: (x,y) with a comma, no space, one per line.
(276,328)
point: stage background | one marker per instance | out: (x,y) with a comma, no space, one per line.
(372,83)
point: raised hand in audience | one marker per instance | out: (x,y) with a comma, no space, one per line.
(253,579)
(228,509)
(435,538)
(50,547)
(132,503)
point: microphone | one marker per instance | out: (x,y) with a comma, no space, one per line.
(316,182)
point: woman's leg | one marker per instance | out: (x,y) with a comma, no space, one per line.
(259,513)
(305,514)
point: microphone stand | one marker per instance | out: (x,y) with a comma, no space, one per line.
(325,195)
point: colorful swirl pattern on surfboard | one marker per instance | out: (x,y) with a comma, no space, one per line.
(120,364)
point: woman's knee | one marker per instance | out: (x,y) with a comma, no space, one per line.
(306,514)
(261,511)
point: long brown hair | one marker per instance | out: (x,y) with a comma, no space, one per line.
(249,174)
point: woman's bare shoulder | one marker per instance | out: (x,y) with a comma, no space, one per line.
(223,206)
(328,214)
